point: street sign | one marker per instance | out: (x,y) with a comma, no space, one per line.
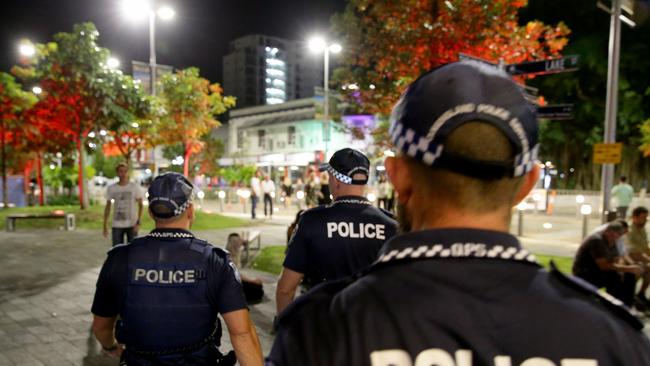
(563,64)
(556,112)
(607,153)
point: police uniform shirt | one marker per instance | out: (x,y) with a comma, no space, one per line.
(457,297)
(163,279)
(338,240)
(594,247)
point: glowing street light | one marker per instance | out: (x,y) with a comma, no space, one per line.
(37,90)
(166,13)
(112,63)
(27,49)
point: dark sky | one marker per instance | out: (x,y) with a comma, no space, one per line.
(198,35)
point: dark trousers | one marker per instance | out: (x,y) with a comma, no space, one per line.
(622,212)
(254,200)
(268,202)
(621,287)
(118,234)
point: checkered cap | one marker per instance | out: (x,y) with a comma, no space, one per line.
(445,98)
(170,195)
(345,163)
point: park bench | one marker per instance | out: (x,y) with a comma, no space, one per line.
(252,242)
(68,219)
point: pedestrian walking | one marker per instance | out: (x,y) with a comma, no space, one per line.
(455,288)
(623,194)
(126,198)
(166,289)
(256,193)
(268,187)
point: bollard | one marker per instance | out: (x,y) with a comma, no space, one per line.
(521,207)
(222,196)
(585,210)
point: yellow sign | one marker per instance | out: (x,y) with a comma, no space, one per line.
(607,153)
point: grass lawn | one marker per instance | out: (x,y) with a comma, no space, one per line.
(92,218)
(270,260)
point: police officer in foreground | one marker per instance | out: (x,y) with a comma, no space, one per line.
(167,289)
(337,240)
(458,289)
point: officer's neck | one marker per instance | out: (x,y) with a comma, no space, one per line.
(348,190)
(437,219)
(181,223)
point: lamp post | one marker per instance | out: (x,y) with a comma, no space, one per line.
(318,44)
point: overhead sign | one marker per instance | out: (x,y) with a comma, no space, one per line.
(563,64)
(607,153)
(557,112)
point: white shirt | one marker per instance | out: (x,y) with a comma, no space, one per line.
(268,186)
(255,186)
(124,199)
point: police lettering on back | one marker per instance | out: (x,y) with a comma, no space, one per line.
(463,357)
(356,230)
(164,277)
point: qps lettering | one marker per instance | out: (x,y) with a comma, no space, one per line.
(463,357)
(140,275)
(356,230)
(488,109)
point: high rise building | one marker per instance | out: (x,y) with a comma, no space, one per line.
(263,70)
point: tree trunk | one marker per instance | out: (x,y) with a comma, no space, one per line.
(5,195)
(39,179)
(186,161)
(80,181)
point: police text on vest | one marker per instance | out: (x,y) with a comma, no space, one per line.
(356,230)
(159,276)
(463,357)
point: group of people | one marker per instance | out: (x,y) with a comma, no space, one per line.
(444,284)
(615,256)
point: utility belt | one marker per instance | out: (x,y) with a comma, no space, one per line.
(178,350)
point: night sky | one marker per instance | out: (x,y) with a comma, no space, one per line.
(197,36)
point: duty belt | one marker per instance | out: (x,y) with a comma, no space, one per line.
(178,350)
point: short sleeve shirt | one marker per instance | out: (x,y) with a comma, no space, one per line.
(124,200)
(335,241)
(637,239)
(623,193)
(594,247)
(225,289)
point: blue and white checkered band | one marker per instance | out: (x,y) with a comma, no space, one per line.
(178,209)
(339,176)
(425,150)
(182,207)
(458,250)
(168,234)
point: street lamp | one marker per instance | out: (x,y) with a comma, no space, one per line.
(27,49)
(112,63)
(319,44)
(136,9)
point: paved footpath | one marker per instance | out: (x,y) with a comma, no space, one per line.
(47,280)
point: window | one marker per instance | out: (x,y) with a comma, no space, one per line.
(261,141)
(291,135)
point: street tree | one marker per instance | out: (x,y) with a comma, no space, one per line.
(390,43)
(191,105)
(13,103)
(81,93)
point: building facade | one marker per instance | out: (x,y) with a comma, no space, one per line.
(263,70)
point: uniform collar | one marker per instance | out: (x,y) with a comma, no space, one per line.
(170,233)
(352,199)
(454,243)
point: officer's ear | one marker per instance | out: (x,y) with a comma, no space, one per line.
(530,180)
(399,173)
(190,212)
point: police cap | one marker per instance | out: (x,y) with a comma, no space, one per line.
(170,195)
(448,96)
(345,163)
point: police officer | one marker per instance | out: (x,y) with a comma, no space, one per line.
(167,288)
(338,240)
(458,289)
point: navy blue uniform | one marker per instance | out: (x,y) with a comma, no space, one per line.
(167,289)
(338,240)
(457,297)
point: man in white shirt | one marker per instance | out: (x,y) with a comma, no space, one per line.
(124,195)
(256,192)
(269,192)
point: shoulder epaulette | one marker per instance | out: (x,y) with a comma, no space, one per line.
(612,304)
(388,213)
